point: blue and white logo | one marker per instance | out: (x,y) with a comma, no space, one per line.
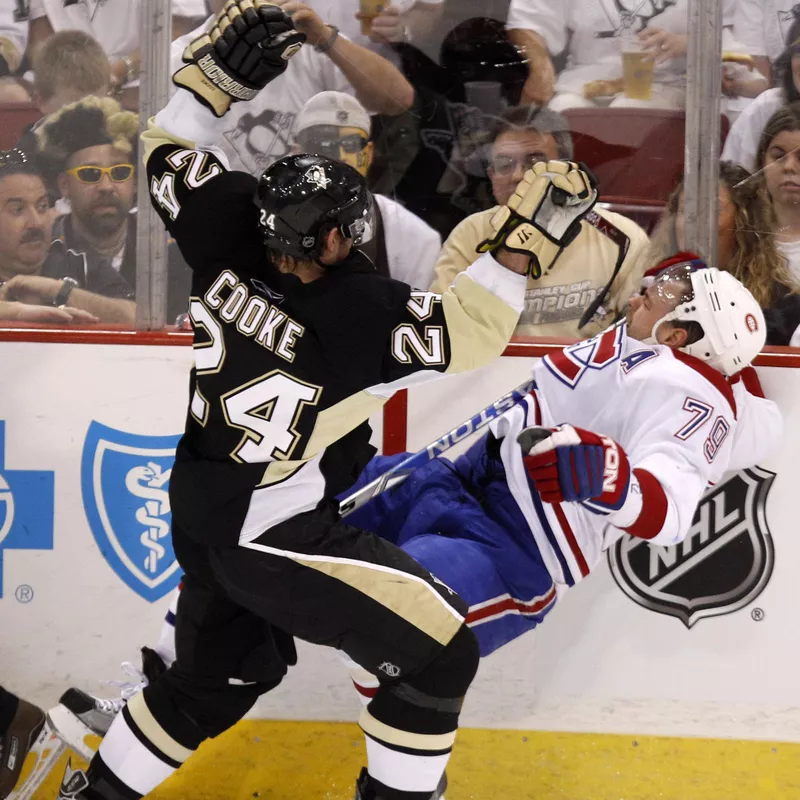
(26,508)
(125,480)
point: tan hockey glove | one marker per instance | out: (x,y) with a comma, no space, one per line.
(544,214)
(249,45)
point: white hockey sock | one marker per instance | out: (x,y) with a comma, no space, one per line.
(404,771)
(138,751)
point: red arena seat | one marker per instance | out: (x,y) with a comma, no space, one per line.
(14,120)
(637,154)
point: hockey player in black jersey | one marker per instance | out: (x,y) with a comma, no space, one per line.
(297,341)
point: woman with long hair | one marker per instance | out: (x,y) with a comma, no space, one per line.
(747,247)
(741,145)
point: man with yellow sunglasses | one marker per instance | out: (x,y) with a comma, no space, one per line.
(91,145)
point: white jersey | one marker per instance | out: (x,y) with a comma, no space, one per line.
(114,23)
(741,146)
(762,25)
(676,418)
(261,131)
(412,246)
(591,29)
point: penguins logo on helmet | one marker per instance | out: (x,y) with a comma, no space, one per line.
(316,176)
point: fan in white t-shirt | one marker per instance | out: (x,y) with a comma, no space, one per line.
(763,25)
(742,142)
(589,31)
(261,131)
(114,23)
(405,247)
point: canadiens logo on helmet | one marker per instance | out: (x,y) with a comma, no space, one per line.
(751,322)
(316,176)
(723,564)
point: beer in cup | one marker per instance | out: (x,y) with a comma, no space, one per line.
(638,66)
(369,9)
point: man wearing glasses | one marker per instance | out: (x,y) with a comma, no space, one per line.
(91,146)
(41,280)
(404,247)
(592,277)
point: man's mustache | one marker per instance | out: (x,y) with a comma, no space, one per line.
(107,200)
(32,235)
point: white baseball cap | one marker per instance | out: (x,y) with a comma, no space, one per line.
(333,108)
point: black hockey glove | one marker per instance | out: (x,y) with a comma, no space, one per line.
(249,45)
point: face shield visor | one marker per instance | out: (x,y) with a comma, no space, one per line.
(361,229)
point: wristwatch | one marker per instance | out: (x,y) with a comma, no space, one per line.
(323,47)
(67,285)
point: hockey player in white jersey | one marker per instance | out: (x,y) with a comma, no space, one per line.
(621,436)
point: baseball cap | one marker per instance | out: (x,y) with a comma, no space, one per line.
(333,108)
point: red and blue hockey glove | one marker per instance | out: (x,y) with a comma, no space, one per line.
(574,465)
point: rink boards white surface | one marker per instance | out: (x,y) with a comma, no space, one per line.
(601,664)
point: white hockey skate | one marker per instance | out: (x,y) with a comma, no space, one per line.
(97,713)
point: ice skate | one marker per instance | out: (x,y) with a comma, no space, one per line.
(17,740)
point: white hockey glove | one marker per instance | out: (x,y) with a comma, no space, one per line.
(248,46)
(544,214)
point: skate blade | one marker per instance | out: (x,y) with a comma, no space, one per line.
(81,738)
(39,761)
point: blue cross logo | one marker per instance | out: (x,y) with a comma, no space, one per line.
(26,508)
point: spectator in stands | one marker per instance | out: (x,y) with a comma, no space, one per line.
(762,26)
(13,35)
(113,23)
(742,143)
(432,158)
(401,21)
(589,33)
(91,146)
(261,131)
(778,157)
(744,250)
(336,125)
(69,66)
(36,270)
(594,276)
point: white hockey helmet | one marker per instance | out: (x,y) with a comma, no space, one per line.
(734,329)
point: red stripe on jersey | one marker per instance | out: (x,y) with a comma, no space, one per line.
(606,348)
(654,507)
(504,604)
(537,411)
(565,365)
(716,379)
(749,377)
(571,540)
(366,691)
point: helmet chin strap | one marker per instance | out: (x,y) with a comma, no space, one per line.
(653,337)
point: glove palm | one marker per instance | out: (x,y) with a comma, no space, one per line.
(544,213)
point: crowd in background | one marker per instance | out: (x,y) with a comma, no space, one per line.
(442,105)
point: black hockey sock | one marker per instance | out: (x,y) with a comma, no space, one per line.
(410,726)
(8,709)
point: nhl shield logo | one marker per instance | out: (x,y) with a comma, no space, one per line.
(125,481)
(723,564)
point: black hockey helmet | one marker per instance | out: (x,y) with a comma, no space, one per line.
(478,50)
(302,197)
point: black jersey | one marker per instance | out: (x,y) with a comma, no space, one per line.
(287,373)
